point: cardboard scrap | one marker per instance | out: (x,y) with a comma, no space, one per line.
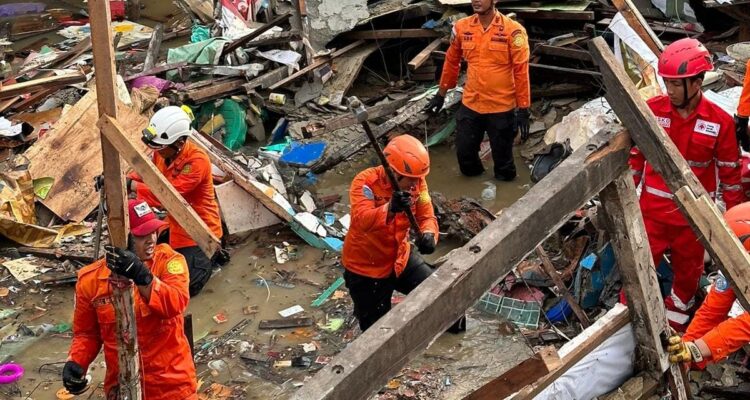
(23,269)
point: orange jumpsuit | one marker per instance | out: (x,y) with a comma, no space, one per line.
(190,174)
(497,79)
(376,246)
(167,364)
(743,109)
(722,335)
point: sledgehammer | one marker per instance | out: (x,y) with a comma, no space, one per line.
(361,113)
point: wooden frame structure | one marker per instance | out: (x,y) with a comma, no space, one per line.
(115,144)
(598,168)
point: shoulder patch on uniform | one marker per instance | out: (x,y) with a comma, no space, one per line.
(424,197)
(367,192)
(175,267)
(721,285)
(186,169)
(518,39)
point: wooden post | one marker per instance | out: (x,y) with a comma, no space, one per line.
(562,289)
(368,362)
(639,25)
(694,202)
(646,305)
(152,54)
(122,295)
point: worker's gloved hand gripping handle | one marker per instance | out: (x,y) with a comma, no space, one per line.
(73,378)
(126,263)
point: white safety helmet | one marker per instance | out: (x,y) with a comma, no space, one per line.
(167,126)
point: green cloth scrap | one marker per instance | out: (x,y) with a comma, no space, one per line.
(234,120)
(328,292)
(522,313)
(443,134)
(199,33)
(207,52)
(333,325)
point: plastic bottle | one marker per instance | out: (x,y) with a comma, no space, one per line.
(489,192)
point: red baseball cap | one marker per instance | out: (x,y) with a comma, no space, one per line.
(143,221)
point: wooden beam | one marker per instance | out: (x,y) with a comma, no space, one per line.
(662,154)
(152,54)
(156,70)
(639,25)
(581,345)
(566,70)
(552,14)
(550,270)
(319,63)
(241,177)
(391,34)
(519,376)
(34,85)
(424,55)
(639,387)
(237,43)
(564,52)
(638,273)
(379,353)
(160,187)
(128,358)
(348,119)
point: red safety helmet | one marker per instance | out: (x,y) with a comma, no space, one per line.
(407,156)
(738,219)
(683,59)
(143,221)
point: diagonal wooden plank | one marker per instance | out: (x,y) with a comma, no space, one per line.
(519,376)
(664,157)
(367,363)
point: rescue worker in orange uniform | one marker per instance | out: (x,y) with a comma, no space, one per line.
(743,112)
(712,334)
(160,276)
(188,168)
(377,255)
(704,134)
(497,95)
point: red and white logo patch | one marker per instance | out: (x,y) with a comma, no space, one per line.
(664,122)
(707,128)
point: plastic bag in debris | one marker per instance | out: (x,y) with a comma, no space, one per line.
(234,121)
(581,125)
(207,52)
(199,33)
(599,372)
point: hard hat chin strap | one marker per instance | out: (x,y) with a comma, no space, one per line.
(686,100)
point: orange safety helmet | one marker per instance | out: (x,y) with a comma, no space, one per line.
(738,219)
(683,59)
(407,156)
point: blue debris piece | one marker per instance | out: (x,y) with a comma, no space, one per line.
(592,276)
(303,155)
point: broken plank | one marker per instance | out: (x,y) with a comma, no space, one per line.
(319,63)
(639,387)
(347,69)
(561,90)
(366,364)
(424,55)
(152,54)
(640,283)
(156,70)
(580,346)
(255,34)
(391,34)
(168,196)
(519,376)
(285,323)
(241,212)
(564,52)
(34,85)
(241,178)
(640,26)
(550,270)
(533,14)
(218,90)
(555,68)
(55,254)
(662,154)
(348,119)
(284,37)
(267,79)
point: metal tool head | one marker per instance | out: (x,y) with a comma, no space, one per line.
(358,109)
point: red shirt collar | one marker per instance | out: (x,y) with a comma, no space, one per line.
(703,109)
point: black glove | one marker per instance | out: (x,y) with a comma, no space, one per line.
(127,264)
(522,122)
(426,243)
(73,378)
(740,128)
(400,202)
(435,104)
(99,182)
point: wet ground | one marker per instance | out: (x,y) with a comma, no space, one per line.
(458,362)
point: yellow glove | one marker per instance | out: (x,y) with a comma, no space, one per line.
(681,351)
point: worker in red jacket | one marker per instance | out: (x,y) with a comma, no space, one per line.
(377,255)
(188,168)
(705,136)
(497,94)
(161,296)
(743,111)
(712,335)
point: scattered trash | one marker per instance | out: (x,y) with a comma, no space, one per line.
(288,312)
(220,318)
(327,293)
